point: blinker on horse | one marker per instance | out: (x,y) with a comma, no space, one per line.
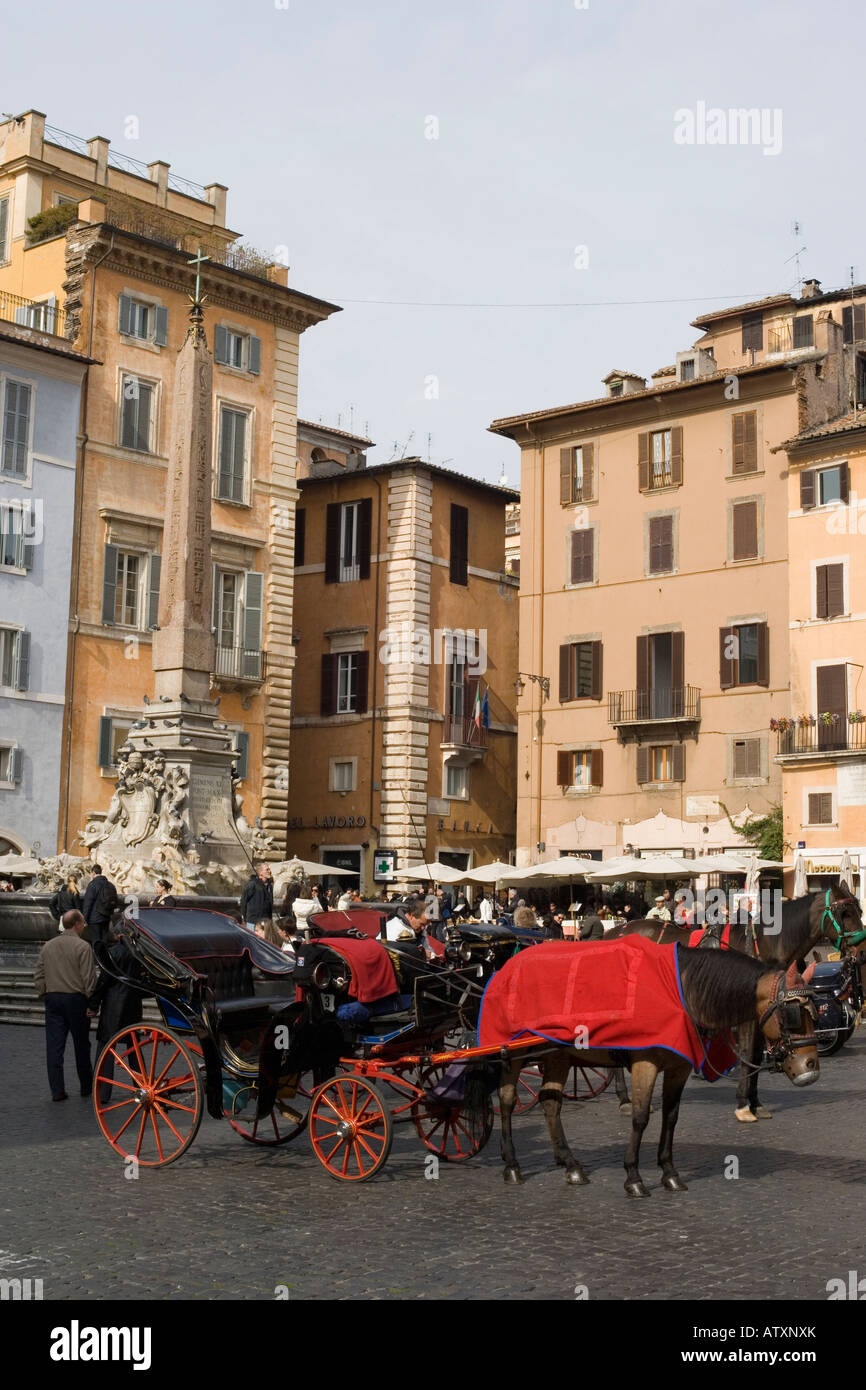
(720,990)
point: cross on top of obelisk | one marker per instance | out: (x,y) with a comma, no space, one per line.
(198,261)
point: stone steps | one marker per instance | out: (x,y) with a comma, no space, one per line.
(19,1002)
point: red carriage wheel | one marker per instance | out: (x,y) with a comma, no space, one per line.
(147,1094)
(528,1087)
(450,1129)
(284,1123)
(585,1083)
(350,1128)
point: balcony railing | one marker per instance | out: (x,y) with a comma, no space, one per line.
(32,313)
(167,232)
(820,734)
(240,664)
(645,706)
(463,731)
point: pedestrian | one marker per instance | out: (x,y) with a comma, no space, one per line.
(591,925)
(100,904)
(164,896)
(659,913)
(485,908)
(286,929)
(118,1006)
(344,902)
(553,926)
(257,898)
(65,978)
(66,899)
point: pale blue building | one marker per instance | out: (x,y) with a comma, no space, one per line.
(40,393)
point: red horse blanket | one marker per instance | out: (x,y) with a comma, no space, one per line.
(372,972)
(600,994)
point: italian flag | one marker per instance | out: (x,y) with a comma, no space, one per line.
(476,713)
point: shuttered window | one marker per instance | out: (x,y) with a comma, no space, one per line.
(821,487)
(803,330)
(832,690)
(744,441)
(830,600)
(744,655)
(580,671)
(753,332)
(577,474)
(746,757)
(664,762)
(243,351)
(231,474)
(16,429)
(136,420)
(660,459)
(4,230)
(581,768)
(582,556)
(661,544)
(744,525)
(820,808)
(854,323)
(459,560)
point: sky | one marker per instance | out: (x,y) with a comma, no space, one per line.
(501,194)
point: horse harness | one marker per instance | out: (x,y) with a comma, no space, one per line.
(789,1003)
(844,938)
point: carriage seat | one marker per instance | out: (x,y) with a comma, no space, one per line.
(234,986)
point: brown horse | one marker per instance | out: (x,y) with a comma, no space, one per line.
(833,917)
(720,990)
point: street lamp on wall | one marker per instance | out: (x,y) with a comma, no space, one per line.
(524,676)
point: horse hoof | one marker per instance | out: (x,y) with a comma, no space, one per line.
(513,1176)
(625,1106)
(745,1116)
(576,1177)
(636,1189)
(674,1183)
(763,1113)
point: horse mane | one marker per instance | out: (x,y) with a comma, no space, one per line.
(719,986)
(796,925)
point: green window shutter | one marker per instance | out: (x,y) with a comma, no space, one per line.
(124,315)
(16,428)
(105,740)
(22,661)
(220,344)
(109,583)
(16,756)
(160,335)
(242,763)
(251,661)
(153,590)
(4,227)
(255,355)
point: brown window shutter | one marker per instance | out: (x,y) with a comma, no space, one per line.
(328,703)
(676,454)
(643,764)
(843,482)
(363,680)
(643,462)
(726,663)
(763,654)
(835,591)
(588,490)
(582,557)
(566,476)
(678,762)
(832,689)
(740,756)
(821,609)
(738,436)
(459,572)
(678,661)
(365,531)
(661,544)
(745,527)
(745,442)
(597,767)
(753,757)
(642,664)
(820,808)
(332,543)
(596,670)
(566,666)
(564,769)
(807,489)
(300,535)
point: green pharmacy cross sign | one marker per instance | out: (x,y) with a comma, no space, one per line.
(384,865)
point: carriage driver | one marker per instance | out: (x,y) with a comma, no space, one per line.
(410,923)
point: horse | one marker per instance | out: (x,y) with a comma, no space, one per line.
(805,922)
(719,990)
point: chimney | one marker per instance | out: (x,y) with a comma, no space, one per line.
(811,289)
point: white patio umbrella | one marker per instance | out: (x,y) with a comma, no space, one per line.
(800,885)
(846,871)
(567,869)
(19,864)
(649,866)
(490,873)
(434,872)
(719,864)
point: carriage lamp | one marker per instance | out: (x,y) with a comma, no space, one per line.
(524,676)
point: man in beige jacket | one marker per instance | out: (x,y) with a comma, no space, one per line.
(66,976)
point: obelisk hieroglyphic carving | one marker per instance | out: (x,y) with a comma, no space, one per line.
(183,646)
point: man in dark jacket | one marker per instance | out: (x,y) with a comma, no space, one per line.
(257,898)
(117,1004)
(100,902)
(591,925)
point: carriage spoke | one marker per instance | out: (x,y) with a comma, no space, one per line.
(124,1125)
(141,1133)
(176,1053)
(116,1055)
(156,1136)
(166,1120)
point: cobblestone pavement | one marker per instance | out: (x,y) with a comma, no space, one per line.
(230,1221)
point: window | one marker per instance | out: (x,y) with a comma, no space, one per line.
(576,474)
(113,730)
(42,314)
(4,230)
(17,528)
(347,682)
(580,671)
(820,808)
(16,429)
(744,655)
(243,351)
(136,420)
(10,764)
(660,459)
(241,742)
(232,453)
(456,782)
(744,442)
(62,200)
(831,690)
(854,323)
(227,599)
(687,369)
(344,682)
(661,545)
(822,487)
(582,569)
(753,332)
(14,658)
(615,388)
(348,527)
(664,762)
(237,623)
(343,774)
(744,530)
(457,688)
(582,768)
(130,588)
(459,562)
(830,595)
(138,318)
(745,758)
(803,330)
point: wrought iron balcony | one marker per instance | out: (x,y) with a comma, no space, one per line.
(816,734)
(646,706)
(462,732)
(246,665)
(32,313)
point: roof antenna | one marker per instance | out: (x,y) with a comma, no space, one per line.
(797,232)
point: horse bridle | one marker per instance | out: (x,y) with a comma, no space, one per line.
(788,1003)
(844,938)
